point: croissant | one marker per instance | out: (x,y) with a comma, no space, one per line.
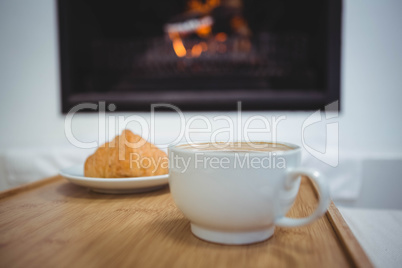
(127,155)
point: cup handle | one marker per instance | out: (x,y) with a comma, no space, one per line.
(323,191)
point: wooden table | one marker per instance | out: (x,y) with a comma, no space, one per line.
(53,223)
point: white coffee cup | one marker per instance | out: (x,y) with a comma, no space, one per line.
(238,197)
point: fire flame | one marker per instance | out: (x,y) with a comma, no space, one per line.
(179,48)
(202,26)
(196,50)
(198,5)
(221,37)
(204,31)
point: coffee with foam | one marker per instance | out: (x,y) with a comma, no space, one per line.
(237,147)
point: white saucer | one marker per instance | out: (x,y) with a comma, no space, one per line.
(75,174)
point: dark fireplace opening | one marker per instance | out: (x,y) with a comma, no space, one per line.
(200,54)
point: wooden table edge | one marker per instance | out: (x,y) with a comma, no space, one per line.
(347,239)
(28,186)
(352,247)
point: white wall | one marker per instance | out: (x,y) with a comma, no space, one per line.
(371,80)
(369,124)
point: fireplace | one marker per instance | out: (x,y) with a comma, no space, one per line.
(200,54)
